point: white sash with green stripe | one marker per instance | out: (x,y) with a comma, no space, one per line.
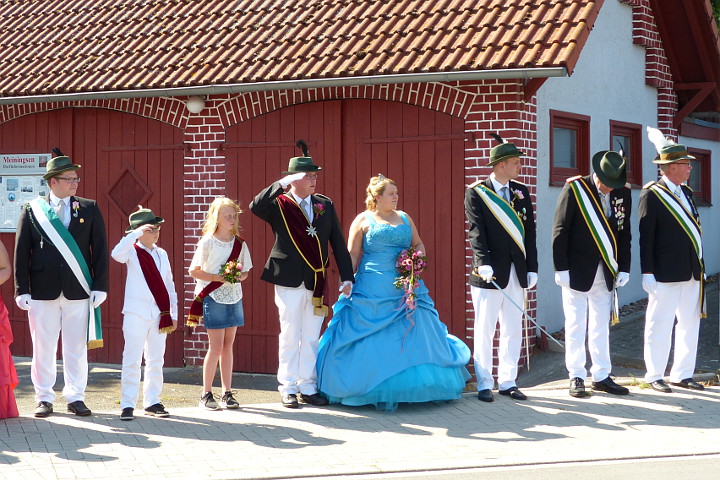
(505,214)
(68,248)
(596,222)
(686,219)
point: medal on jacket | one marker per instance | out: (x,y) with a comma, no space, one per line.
(311,231)
(41,243)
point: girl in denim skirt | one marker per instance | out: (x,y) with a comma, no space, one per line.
(221,261)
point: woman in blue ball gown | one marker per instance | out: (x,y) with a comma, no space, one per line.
(375,350)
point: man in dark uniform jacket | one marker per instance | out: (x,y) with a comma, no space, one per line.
(299,216)
(51,291)
(591,252)
(673,272)
(502,238)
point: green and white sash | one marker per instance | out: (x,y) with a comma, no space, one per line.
(504,213)
(690,226)
(596,222)
(686,219)
(68,248)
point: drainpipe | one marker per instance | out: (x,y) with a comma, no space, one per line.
(207,90)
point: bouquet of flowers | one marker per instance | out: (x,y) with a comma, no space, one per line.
(231,271)
(410,265)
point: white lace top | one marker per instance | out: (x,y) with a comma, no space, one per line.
(210,255)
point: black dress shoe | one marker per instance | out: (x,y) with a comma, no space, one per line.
(485,395)
(577,387)
(315,399)
(660,386)
(688,383)
(514,393)
(78,408)
(289,400)
(609,386)
(43,409)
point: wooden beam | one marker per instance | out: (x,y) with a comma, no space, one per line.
(699,96)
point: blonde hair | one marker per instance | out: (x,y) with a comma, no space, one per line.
(211,217)
(376,187)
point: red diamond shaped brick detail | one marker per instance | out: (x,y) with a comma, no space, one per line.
(129,191)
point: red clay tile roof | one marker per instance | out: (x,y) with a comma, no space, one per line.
(65,46)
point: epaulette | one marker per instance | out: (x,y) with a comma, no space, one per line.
(688,187)
(572,179)
(650,184)
(475,184)
(320,195)
(519,183)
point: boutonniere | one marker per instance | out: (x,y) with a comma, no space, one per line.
(517,194)
(319,209)
(75,208)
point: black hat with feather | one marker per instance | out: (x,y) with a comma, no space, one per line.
(301,164)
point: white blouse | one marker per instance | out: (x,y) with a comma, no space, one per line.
(210,255)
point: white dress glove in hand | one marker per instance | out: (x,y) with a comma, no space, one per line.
(485,272)
(622,279)
(23,301)
(531,279)
(97,298)
(562,278)
(649,283)
(288,179)
(346,288)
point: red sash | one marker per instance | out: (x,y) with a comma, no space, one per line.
(157,287)
(196,306)
(306,241)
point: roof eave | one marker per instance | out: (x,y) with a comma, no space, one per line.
(206,90)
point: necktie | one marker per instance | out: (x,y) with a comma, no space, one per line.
(678,192)
(60,211)
(505,194)
(304,206)
(605,204)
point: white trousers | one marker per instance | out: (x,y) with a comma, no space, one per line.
(588,312)
(670,300)
(491,306)
(142,337)
(47,318)
(298,341)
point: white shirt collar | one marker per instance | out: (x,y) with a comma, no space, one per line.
(298,199)
(54,200)
(671,186)
(497,185)
(139,244)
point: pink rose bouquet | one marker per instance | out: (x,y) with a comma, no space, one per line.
(231,271)
(410,265)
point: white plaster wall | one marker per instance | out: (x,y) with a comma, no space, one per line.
(608,83)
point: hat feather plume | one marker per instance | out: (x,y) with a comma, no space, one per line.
(658,139)
(56,151)
(303,146)
(497,138)
(622,149)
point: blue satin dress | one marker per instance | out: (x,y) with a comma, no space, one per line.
(371,352)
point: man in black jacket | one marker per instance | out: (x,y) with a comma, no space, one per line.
(61,278)
(671,259)
(502,238)
(591,252)
(304,223)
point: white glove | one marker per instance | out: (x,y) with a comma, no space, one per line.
(348,284)
(97,298)
(622,279)
(531,279)
(288,179)
(23,301)
(649,283)
(485,272)
(562,278)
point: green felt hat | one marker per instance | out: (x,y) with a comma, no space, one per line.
(59,165)
(303,163)
(503,152)
(672,154)
(609,166)
(142,217)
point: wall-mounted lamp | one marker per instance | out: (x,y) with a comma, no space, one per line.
(195,104)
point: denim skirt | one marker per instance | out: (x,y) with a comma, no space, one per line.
(222,315)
